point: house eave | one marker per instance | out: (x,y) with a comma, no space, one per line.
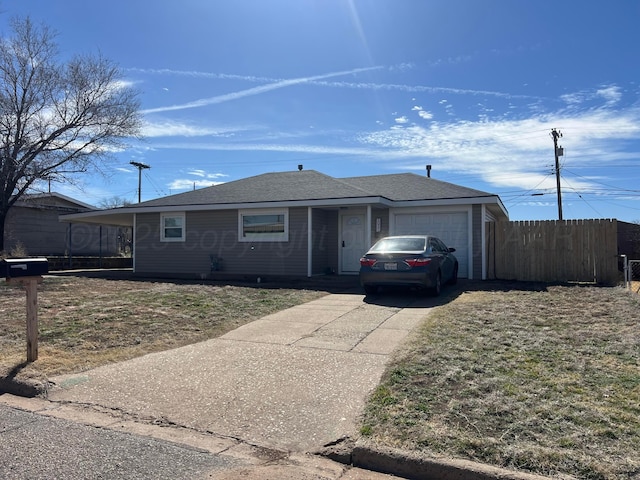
(492,201)
(26,200)
(124,215)
(101,217)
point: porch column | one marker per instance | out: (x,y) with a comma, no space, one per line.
(134,247)
(483,233)
(367,232)
(309,241)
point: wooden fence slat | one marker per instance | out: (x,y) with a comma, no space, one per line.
(553,251)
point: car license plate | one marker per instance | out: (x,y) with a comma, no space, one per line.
(390,266)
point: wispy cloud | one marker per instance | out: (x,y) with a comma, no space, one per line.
(203,179)
(186,184)
(352,150)
(402,67)
(512,153)
(203,174)
(182,129)
(274,83)
(422,113)
(257,90)
(503,153)
(611,94)
(422,89)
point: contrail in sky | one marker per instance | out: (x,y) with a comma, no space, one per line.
(256,90)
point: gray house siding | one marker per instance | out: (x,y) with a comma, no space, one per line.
(152,256)
(215,233)
(37,230)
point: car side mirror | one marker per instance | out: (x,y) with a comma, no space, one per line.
(451,250)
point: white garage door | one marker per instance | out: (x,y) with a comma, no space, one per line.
(451,228)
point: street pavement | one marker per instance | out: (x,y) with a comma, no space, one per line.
(40,447)
(257,399)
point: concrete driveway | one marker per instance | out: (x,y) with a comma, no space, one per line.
(292,381)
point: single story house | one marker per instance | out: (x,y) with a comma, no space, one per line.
(33,226)
(299,224)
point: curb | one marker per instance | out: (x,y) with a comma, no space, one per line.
(413,466)
(20,388)
(359,454)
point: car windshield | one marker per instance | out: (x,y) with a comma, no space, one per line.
(399,245)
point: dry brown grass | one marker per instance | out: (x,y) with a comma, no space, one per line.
(87,322)
(535,378)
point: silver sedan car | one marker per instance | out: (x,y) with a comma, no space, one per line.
(421,261)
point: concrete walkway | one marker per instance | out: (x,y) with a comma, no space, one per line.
(292,381)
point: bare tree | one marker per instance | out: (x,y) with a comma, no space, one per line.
(57,119)
(115,201)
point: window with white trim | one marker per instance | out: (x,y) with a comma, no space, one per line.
(172,227)
(263,225)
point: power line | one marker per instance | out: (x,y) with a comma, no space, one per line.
(582,198)
(602,183)
(155,185)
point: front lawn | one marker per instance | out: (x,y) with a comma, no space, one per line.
(88,322)
(535,378)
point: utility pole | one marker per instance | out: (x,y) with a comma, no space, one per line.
(558,153)
(140,167)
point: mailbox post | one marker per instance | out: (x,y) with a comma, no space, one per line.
(28,273)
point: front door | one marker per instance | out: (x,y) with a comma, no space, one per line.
(352,244)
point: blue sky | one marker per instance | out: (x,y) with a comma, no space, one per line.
(231,89)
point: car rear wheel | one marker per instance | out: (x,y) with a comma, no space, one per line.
(437,286)
(454,277)
(370,289)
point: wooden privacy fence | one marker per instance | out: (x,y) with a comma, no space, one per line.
(553,251)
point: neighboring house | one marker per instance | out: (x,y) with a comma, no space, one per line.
(300,224)
(33,226)
(629,240)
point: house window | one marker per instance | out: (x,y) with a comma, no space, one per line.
(263,225)
(172,227)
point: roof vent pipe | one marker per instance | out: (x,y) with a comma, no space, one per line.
(428,171)
(300,167)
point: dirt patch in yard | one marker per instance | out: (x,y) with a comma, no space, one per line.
(87,322)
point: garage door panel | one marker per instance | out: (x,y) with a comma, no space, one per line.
(404,223)
(451,228)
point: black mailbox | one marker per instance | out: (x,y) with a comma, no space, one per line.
(24,267)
